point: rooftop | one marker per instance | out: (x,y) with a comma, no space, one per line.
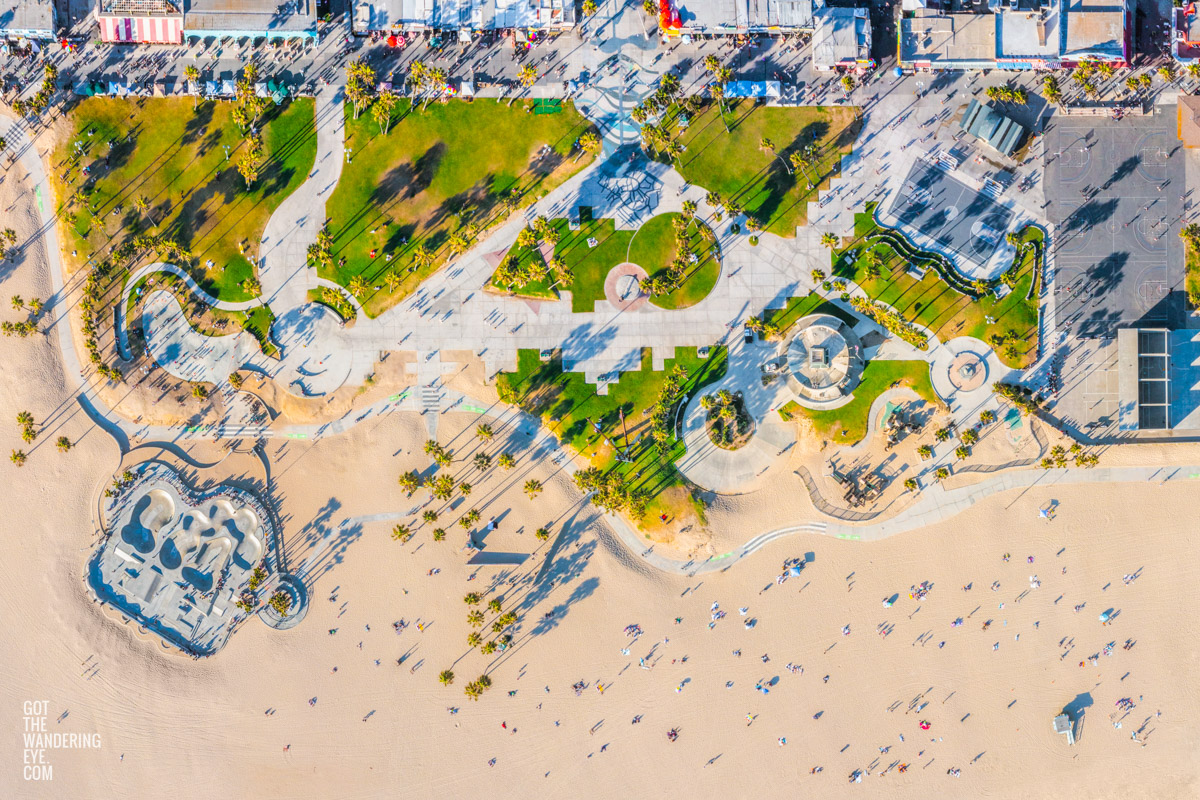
(746,15)
(931,36)
(250,15)
(1000,132)
(842,35)
(1032,33)
(1189,120)
(1094,28)
(27,16)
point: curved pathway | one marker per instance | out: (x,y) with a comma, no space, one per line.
(193,287)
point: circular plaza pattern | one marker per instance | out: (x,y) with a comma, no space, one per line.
(623,287)
(824,360)
(967,372)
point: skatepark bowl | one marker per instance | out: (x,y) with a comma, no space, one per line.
(180,561)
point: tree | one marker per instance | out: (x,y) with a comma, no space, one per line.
(17,302)
(533,488)
(381,112)
(589,7)
(410,481)
(473,690)
(910,484)
(464,489)
(528,75)
(506,461)
(18,457)
(430,516)
(442,487)
(401,533)
(63,444)
(421,256)
(199,392)
(484,431)
(192,74)
(829,240)
(804,158)
(446,677)
(475,619)
(247,167)
(392,281)
(589,142)
(472,598)
(987,417)
(848,83)
(360,85)
(482,461)
(542,534)
(251,286)
(474,639)
(484,681)
(488,648)
(439,534)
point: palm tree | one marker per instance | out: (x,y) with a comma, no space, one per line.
(17,302)
(589,142)
(482,461)
(475,618)
(358,286)
(401,532)
(192,74)
(464,489)
(421,256)
(392,280)
(802,159)
(589,7)
(488,648)
(142,205)
(506,461)
(829,240)
(251,286)
(63,444)
(430,516)
(766,144)
(410,481)
(381,112)
(528,75)
(18,457)
(472,598)
(541,534)
(484,681)
(494,605)
(484,431)
(473,690)
(533,488)
(446,677)
(439,534)
(474,639)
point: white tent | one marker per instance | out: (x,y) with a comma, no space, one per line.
(913,5)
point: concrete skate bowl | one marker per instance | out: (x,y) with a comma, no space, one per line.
(152,511)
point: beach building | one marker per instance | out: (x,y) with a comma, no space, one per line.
(936,41)
(1017,34)
(745,16)
(986,123)
(28,19)
(1185,35)
(250,19)
(140,21)
(466,16)
(841,39)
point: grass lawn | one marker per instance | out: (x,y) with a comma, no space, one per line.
(569,406)
(1193,276)
(934,304)
(733,165)
(798,308)
(173,155)
(848,424)
(653,249)
(414,184)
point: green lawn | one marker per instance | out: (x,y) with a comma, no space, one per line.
(733,165)
(570,406)
(1193,276)
(934,304)
(439,171)
(173,155)
(848,424)
(653,249)
(798,308)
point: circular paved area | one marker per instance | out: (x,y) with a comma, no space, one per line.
(622,287)
(967,372)
(316,360)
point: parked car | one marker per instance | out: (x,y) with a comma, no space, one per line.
(747,335)
(702,352)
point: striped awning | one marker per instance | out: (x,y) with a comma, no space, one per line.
(155,30)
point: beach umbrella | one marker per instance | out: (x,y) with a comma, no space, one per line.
(897,72)
(793,571)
